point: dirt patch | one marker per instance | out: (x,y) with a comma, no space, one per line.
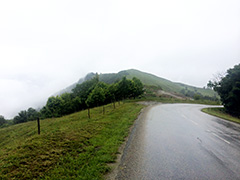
(168,94)
(148,103)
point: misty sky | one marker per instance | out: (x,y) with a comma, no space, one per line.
(47,45)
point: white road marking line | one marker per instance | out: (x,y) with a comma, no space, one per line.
(194,122)
(221,138)
(190,120)
(184,116)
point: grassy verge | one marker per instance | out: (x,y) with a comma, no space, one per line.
(70,147)
(220,112)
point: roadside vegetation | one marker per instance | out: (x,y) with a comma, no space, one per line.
(228,88)
(69,147)
(221,113)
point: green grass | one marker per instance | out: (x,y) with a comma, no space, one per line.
(166,85)
(220,112)
(70,147)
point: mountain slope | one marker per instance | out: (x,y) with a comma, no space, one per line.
(166,85)
(148,80)
(152,80)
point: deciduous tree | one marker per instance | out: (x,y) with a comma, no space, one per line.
(21,117)
(2,120)
(228,89)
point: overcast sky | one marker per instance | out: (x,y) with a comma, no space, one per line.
(47,45)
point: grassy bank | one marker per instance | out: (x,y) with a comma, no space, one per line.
(70,147)
(220,112)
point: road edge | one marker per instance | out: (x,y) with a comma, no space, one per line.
(115,166)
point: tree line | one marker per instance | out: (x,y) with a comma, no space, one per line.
(89,94)
(2,120)
(228,88)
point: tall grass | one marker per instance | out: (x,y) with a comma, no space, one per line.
(220,112)
(70,147)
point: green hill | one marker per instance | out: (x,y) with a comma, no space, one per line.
(166,85)
(158,82)
(148,80)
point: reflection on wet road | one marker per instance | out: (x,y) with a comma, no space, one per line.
(178,141)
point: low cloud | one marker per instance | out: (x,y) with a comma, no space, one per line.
(46,46)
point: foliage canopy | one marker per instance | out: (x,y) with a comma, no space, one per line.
(228,89)
(2,120)
(89,94)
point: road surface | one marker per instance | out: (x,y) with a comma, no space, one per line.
(178,141)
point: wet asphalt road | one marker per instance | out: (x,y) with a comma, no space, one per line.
(178,141)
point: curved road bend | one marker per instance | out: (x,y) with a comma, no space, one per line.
(178,141)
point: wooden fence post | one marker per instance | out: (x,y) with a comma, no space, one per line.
(38,123)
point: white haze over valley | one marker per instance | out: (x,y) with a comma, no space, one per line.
(46,46)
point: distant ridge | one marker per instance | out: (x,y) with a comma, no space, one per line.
(148,80)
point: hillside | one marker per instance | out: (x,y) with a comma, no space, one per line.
(70,147)
(166,85)
(148,80)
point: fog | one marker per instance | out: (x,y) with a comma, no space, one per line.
(47,45)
